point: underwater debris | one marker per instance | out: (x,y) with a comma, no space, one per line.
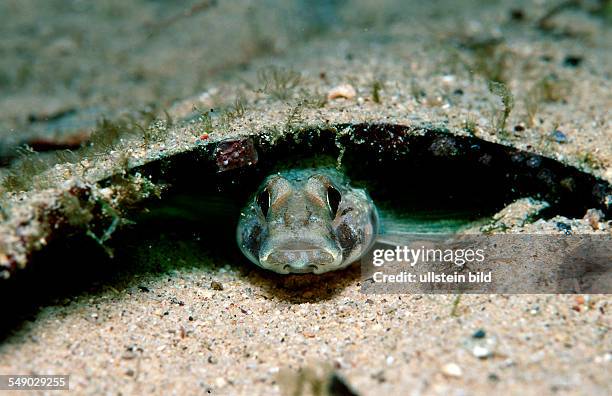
(235,153)
(481,345)
(343,91)
(452,370)
(72,141)
(573,61)
(594,217)
(79,208)
(558,136)
(517,14)
(517,214)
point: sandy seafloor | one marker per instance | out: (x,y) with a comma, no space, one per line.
(160,327)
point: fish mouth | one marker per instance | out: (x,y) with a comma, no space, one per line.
(306,270)
(301,257)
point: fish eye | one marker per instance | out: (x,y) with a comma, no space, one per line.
(333,199)
(263,200)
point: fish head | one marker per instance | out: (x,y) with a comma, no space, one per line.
(307,222)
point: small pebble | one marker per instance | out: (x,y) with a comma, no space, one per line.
(546,58)
(448,79)
(517,14)
(493,377)
(606,358)
(559,136)
(216,285)
(481,352)
(379,376)
(480,346)
(480,333)
(572,61)
(564,227)
(452,370)
(594,216)
(343,91)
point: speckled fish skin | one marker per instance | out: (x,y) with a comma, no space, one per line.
(307,221)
